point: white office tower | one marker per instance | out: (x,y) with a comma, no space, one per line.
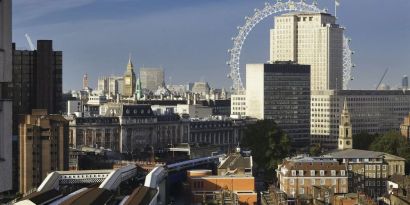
(5,103)
(311,39)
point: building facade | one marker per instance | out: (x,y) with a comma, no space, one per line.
(234,182)
(37,80)
(371,111)
(311,39)
(280,92)
(43,147)
(368,171)
(299,174)
(405,83)
(238,105)
(151,78)
(405,127)
(5,100)
(130,128)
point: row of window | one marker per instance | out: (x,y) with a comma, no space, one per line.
(313,172)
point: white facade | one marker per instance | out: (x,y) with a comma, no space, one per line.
(194,111)
(238,105)
(255,90)
(96,100)
(311,39)
(5,104)
(73,107)
(372,111)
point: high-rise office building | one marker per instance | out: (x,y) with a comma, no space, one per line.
(5,101)
(371,111)
(43,147)
(280,92)
(129,80)
(405,83)
(37,80)
(102,84)
(152,78)
(311,39)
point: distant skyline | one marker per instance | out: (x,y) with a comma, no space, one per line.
(189,39)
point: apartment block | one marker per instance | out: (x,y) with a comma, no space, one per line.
(43,147)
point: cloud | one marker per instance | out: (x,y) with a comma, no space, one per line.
(31,9)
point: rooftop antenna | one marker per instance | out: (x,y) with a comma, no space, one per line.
(30,43)
(337,3)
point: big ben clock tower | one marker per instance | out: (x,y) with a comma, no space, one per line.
(129,80)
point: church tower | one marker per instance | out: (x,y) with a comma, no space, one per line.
(345,129)
(129,80)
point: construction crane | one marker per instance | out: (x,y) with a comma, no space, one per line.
(30,43)
(381,80)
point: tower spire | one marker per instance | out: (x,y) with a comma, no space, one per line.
(345,129)
(129,65)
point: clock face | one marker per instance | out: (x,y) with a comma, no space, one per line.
(127,81)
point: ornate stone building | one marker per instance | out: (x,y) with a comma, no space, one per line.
(129,80)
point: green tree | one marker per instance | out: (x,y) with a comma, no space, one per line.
(393,143)
(269,145)
(363,140)
(315,150)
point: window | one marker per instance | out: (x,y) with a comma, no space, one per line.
(313,181)
(312,172)
(322,181)
(302,190)
(334,181)
(322,173)
(342,172)
(292,181)
(293,172)
(333,172)
(302,181)
(300,172)
(384,167)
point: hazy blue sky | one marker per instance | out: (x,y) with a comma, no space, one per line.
(189,38)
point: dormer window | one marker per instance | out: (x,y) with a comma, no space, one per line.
(293,172)
(301,173)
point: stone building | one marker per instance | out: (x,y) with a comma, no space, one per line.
(368,170)
(130,128)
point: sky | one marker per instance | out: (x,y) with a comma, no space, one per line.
(189,39)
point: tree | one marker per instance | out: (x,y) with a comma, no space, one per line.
(268,143)
(315,150)
(363,140)
(393,143)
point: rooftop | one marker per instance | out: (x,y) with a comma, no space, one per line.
(362,154)
(236,161)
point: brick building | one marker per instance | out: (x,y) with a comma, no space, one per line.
(43,147)
(298,175)
(233,184)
